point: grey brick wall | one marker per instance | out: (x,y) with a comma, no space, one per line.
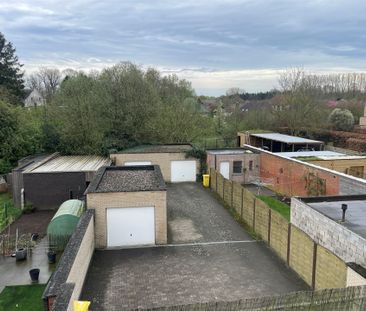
(351,185)
(344,243)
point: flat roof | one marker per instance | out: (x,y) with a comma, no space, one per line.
(72,164)
(169,148)
(331,207)
(230,151)
(286,138)
(297,154)
(127,179)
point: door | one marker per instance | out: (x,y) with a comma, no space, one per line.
(183,171)
(225,169)
(137,163)
(130,226)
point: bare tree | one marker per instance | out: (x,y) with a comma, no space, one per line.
(46,81)
(234,91)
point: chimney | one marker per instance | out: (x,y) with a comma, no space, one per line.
(344,208)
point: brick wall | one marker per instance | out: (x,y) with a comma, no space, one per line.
(67,280)
(312,262)
(346,244)
(101,201)
(161,159)
(289,177)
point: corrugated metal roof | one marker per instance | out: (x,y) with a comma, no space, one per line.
(286,138)
(73,164)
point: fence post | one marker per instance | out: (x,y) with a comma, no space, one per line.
(269,225)
(315,253)
(288,243)
(242,203)
(232,194)
(254,202)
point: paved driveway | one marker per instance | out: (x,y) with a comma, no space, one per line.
(210,258)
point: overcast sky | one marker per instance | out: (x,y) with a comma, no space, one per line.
(214,44)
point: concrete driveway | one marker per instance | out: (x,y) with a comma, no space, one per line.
(209,258)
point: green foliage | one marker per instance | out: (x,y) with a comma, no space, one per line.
(277,205)
(11,75)
(341,119)
(20,135)
(8,213)
(201,155)
(22,297)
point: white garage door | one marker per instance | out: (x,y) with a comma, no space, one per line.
(183,171)
(137,163)
(130,226)
(225,169)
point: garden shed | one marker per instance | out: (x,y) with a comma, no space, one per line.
(130,206)
(174,162)
(64,223)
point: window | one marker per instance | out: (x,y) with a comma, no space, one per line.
(250,165)
(238,167)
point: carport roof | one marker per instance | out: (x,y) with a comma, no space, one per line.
(127,179)
(169,148)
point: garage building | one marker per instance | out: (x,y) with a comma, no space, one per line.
(47,181)
(172,159)
(240,165)
(130,206)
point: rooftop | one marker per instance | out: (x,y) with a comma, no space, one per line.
(229,151)
(72,164)
(170,148)
(331,207)
(127,179)
(286,138)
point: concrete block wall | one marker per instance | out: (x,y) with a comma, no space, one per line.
(248,207)
(349,186)
(237,197)
(279,235)
(261,224)
(301,254)
(330,270)
(101,201)
(228,191)
(344,243)
(354,278)
(80,266)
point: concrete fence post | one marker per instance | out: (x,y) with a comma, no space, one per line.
(315,254)
(232,194)
(288,243)
(254,203)
(269,225)
(242,203)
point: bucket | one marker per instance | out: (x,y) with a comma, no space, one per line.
(34,274)
(51,257)
(206,180)
(20,254)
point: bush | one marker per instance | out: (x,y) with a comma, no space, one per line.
(341,119)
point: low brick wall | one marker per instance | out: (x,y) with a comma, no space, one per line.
(67,280)
(314,263)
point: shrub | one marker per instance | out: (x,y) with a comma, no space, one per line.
(341,119)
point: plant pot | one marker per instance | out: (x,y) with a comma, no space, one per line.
(34,274)
(51,257)
(21,254)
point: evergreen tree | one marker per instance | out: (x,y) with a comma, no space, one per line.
(11,75)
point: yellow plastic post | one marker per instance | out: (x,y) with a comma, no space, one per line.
(206,180)
(81,305)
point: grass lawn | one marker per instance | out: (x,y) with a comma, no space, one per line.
(276,205)
(13,212)
(22,297)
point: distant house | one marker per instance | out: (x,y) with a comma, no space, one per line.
(34,99)
(208,106)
